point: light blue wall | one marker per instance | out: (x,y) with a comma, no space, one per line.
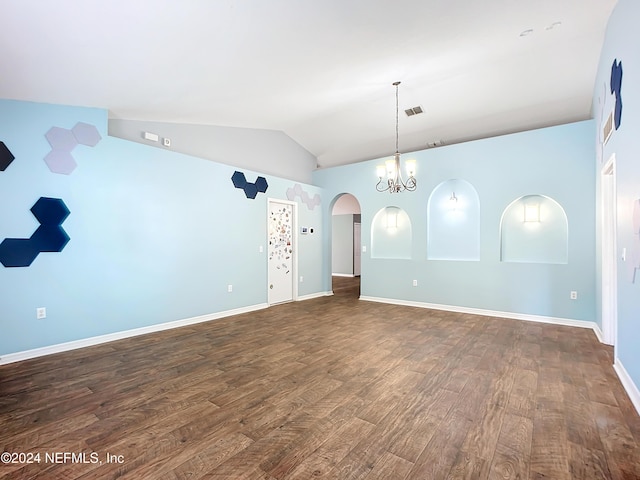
(556,162)
(621,43)
(156,236)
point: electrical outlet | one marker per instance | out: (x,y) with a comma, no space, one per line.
(573,295)
(301,279)
(41,312)
(415,283)
(364,249)
(229,288)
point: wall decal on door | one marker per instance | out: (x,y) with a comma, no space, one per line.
(63,141)
(250,189)
(6,157)
(280,238)
(48,237)
(281,248)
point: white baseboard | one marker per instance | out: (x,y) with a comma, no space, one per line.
(110,337)
(628,384)
(598,332)
(313,295)
(491,313)
(350,275)
(630,387)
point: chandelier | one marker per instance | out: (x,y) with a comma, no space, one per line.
(391,169)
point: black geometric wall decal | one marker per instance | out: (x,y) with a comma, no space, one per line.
(250,189)
(616,89)
(48,237)
(6,157)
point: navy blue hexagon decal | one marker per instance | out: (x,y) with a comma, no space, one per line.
(616,89)
(261,184)
(50,211)
(17,252)
(6,157)
(250,189)
(48,237)
(238,179)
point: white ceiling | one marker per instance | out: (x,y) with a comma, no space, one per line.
(321,71)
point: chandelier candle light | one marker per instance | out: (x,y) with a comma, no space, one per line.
(395,183)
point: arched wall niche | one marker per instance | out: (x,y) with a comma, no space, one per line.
(453,222)
(391,234)
(534,229)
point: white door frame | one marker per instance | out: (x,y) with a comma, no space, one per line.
(294,263)
(609,252)
(357,249)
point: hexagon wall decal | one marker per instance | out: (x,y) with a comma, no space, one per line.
(6,157)
(616,89)
(86,134)
(238,179)
(48,237)
(18,252)
(63,141)
(60,161)
(50,211)
(298,191)
(261,184)
(250,189)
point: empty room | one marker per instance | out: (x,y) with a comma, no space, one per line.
(340,239)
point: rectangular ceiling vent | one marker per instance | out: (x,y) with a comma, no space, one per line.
(607,128)
(413,111)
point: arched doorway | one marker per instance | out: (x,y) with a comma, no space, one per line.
(346,246)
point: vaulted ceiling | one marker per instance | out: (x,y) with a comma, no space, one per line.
(321,71)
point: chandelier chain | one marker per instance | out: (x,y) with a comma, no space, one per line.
(397,117)
(394,182)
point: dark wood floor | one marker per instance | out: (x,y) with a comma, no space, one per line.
(346,286)
(332,388)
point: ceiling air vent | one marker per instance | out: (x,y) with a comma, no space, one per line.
(413,111)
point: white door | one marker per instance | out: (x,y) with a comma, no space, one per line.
(609,255)
(357,249)
(281,251)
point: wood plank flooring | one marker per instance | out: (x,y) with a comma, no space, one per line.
(332,388)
